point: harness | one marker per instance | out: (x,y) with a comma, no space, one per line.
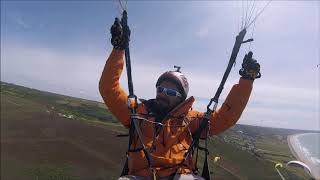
(158,125)
(135,131)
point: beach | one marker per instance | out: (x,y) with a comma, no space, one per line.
(306,148)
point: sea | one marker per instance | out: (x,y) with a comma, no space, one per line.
(306,148)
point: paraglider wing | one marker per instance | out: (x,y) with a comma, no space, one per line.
(299,164)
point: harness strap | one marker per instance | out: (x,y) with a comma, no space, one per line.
(203,149)
(205,170)
(196,163)
(135,150)
(125,169)
(132,102)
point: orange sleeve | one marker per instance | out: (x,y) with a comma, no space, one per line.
(113,95)
(230,111)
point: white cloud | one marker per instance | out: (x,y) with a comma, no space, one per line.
(203,32)
(20,21)
(23,24)
(78,75)
(50,70)
(288,89)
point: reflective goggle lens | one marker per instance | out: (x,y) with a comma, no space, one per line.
(168,92)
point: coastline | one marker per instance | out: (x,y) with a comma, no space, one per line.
(297,151)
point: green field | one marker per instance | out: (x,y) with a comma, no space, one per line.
(50,136)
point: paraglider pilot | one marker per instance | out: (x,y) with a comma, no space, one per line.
(168,139)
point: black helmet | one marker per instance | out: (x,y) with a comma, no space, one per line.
(177,78)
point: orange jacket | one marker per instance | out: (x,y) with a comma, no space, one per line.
(167,148)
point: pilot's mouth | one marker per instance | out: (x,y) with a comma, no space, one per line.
(162,100)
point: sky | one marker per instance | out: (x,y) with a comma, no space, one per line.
(62,46)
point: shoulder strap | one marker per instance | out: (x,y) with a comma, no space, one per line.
(133,100)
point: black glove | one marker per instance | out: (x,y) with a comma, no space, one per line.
(120,35)
(250,68)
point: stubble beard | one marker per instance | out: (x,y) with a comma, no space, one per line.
(162,105)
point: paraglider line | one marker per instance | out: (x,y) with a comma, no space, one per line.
(246,13)
(124,8)
(258,14)
(242,16)
(251,11)
(254,25)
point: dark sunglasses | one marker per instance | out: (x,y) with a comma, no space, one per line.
(168,92)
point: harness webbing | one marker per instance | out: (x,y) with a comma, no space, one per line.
(205,119)
(132,102)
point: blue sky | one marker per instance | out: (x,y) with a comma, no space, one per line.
(62,47)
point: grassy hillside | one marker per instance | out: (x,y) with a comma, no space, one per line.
(79,108)
(50,136)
